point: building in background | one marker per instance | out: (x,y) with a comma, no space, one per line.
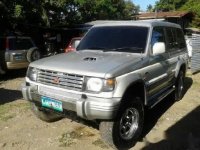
(182,18)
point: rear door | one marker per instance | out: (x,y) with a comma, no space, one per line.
(176,47)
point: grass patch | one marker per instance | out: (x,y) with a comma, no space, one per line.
(7,117)
(69,138)
(9,110)
(100,143)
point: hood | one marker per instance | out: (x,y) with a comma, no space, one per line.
(88,63)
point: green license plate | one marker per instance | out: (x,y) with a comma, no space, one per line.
(51,103)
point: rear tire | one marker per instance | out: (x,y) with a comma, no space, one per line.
(179,86)
(125,131)
(45,115)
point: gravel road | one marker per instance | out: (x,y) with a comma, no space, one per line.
(168,126)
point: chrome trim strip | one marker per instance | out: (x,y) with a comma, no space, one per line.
(174,70)
(157,79)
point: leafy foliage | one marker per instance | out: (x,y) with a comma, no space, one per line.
(169,5)
(187,5)
(65,12)
(193,6)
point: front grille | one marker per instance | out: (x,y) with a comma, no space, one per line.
(59,79)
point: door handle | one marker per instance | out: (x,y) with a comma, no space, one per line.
(146,75)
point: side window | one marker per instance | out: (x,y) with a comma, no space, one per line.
(175,39)
(157,35)
(170,39)
(180,39)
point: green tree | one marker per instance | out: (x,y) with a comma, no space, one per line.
(193,6)
(130,10)
(149,8)
(169,5)
(65,12)
(4,17)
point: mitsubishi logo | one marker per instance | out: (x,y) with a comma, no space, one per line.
(56,80)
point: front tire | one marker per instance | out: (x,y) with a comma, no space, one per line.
(125,131)
(45,115)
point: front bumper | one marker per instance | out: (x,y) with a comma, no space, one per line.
(87,107)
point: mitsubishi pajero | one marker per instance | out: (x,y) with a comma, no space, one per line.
(118,70)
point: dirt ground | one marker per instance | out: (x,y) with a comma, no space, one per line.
(168,126)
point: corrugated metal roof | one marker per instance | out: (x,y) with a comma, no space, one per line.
(195,61)
(176,14)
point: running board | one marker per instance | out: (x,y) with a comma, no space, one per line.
(160,98)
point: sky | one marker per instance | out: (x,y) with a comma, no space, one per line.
(144,3)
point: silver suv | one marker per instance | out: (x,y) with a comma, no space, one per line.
(17,52)
(118,70)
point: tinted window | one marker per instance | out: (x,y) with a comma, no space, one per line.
(20,44)
(170,38)
(157,35)
(119,38)
(180,38)
(175,38)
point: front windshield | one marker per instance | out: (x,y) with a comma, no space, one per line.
(119,38)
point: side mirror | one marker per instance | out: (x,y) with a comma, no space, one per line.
(159,48)
(76,43)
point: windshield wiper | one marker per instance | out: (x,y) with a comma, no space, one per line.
(128,49)
(120,49)
(96,48)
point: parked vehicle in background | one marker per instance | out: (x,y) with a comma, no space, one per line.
(17,52)
(118,70)
(73,44)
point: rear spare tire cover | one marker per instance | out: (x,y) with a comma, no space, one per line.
(33,54)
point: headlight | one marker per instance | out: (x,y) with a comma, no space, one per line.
(94,84)
(97,85)
(32,73)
